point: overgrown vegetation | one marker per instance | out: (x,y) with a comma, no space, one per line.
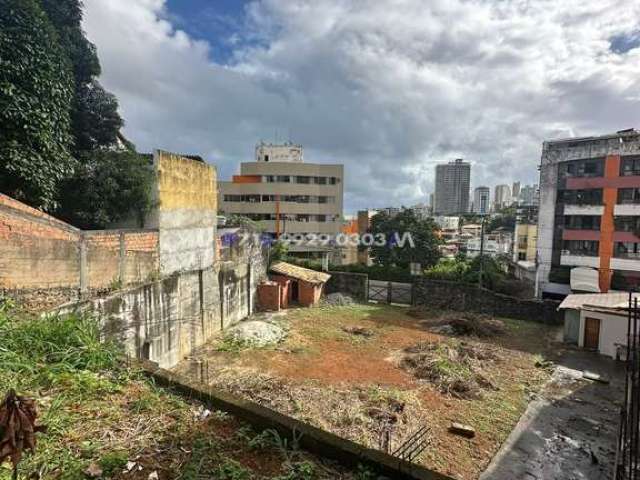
(60,144)
(108,421)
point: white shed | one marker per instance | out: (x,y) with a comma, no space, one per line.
(603,321)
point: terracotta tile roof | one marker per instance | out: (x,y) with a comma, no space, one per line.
(299,273)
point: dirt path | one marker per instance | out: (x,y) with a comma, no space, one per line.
(569,432)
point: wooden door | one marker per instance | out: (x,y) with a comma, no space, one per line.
(591,333)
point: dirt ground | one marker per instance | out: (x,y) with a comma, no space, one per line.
(342,369)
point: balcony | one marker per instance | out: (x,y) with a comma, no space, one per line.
(630,262)
(627,209)
(596,210)
(578,259)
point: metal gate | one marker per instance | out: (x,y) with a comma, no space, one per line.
(628,447)
(390,292)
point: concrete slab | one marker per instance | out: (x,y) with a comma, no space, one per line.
(569,431)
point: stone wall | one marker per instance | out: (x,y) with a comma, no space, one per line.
(355,285)
(463,297)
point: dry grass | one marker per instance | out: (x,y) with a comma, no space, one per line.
(351,384)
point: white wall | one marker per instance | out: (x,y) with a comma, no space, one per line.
(613,329)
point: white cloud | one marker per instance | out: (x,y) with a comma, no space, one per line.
(387,87)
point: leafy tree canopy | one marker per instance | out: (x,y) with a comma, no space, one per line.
(35,88)
(108,187)
(425,248)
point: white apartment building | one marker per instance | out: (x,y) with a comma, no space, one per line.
(481,200)
(285,194)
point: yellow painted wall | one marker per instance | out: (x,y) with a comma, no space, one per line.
(184,183)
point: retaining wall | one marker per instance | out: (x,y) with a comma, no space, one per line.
(312,439)
(463,297)
(354,284)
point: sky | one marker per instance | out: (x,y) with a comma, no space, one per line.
(389,88)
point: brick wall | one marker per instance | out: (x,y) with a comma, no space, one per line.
(39,252)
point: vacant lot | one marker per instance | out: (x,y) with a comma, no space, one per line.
(354,370)
(106,421)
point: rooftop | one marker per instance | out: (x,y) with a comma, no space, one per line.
(299,273)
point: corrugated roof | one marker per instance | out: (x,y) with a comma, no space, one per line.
(614,300)
(299,273)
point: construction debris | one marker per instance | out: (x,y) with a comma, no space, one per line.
(256,333)
(463,430)
(337,300)
(476,325)
(595,377)
(357,330)
(18,427)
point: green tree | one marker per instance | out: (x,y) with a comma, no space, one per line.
(108,187)
(95,118)
(35,88)
(423,247)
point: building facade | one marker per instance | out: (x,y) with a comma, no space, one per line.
(285,194)
(452,188)
(529,195)
(481,200)
(589,213)
(501,197)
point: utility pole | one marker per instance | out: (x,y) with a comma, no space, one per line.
(481,251)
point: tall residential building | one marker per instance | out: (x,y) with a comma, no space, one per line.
(481,200)
(529,195)
(452,188)
(285,194)
(501,197)
(589,213)
(515,191)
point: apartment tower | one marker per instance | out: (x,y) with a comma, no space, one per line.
(452,188)
(589,214)
(481,200)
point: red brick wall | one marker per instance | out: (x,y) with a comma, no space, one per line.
(38,251)
(309,294)
(269,296)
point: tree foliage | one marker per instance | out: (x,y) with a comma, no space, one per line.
(35,88)
(391,229)
(108,187)
(95,118)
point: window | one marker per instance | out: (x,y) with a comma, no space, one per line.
(630,165)
(284,179)
(591,167)
(627,224)
(320,180)
(303,180)
(522,256)
(270,179)
(582,222)
(627,250)
(580,247)
(581,197)
(266,158)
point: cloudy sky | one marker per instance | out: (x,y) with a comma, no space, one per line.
(387,87)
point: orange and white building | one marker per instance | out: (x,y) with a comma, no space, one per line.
(589,214)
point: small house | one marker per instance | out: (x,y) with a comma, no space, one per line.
(597,321)
(298,285)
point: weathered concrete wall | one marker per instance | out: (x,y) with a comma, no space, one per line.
(313,439)
(355,285)
(463,297)
(165,320)
(186,214)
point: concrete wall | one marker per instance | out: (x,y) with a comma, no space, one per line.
(461,297)
(355,285)
(613,329)
(186,212)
